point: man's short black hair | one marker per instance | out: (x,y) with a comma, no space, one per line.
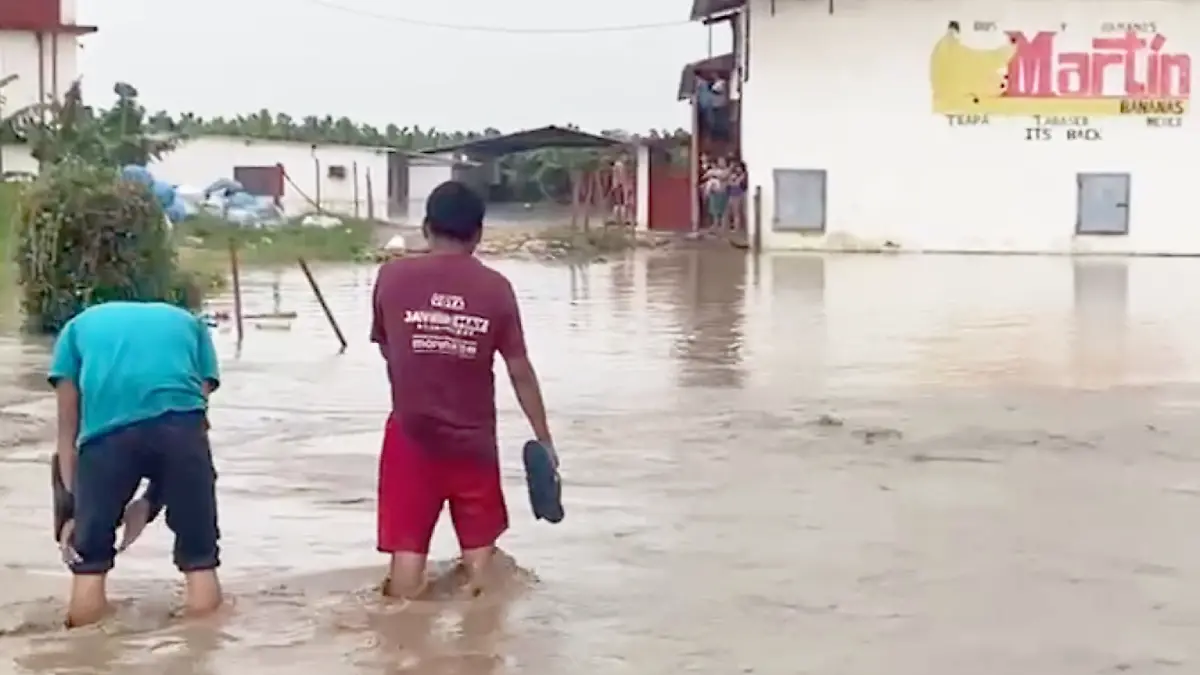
(454,211)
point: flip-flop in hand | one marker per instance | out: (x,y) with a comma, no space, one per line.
(137,516)
(66,546)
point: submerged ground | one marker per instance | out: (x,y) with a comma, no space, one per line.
(835,465)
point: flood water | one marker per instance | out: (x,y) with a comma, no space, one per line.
(850,465)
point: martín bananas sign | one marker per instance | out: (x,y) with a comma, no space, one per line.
(1115,71)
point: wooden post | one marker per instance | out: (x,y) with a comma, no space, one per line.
(354,175)
(312,282)
(370,198)
(576,193)
(236,277)
(756,238)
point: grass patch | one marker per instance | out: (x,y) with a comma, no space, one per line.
(203,243)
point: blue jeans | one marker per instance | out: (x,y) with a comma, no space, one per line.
(172,452)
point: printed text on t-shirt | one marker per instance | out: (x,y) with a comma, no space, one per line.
(446,330)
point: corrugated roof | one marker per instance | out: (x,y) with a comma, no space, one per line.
(703,9)
(531,139)
(687,79)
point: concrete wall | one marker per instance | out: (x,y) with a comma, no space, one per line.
(642,207)
(200,161)
(850,93)
(16,159)
(19,56)
(422,179)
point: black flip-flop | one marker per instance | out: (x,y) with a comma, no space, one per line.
(64,503)
(545,488)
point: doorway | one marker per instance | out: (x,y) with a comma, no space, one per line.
(1103,204)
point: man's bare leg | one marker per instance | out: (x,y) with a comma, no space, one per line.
(406,575)
(89,600)
(478,564)
(202,593)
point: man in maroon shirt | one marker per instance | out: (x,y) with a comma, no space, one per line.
(439,320)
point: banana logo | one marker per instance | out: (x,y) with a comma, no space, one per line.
(962,78)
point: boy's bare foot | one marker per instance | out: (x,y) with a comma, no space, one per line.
(203,593)
(89,600)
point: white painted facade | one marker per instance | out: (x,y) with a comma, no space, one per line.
(15,159)
(423,176)
(426,171)
(641,216)
(19,55)
(45,66)
(849,93)
(200,161)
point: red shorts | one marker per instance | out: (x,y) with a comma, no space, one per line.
(415,482)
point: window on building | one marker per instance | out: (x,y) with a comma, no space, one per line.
(799,200)
(1103,204)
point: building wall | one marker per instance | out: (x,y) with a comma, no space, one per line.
(19,56)
(15,159)
(422,179)
(200,161)
(642,207)
(850,93)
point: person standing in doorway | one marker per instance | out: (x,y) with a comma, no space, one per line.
(439,321)
(132,381)
(716,192)
(735,216)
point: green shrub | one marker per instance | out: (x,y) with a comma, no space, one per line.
(85,237)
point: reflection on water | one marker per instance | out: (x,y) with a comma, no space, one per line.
(1101,319)
(704,295)
(885,454)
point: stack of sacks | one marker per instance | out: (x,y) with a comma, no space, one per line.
(166,194)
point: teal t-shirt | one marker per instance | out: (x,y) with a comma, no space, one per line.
(134,361)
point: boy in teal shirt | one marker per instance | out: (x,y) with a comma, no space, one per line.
(132,381)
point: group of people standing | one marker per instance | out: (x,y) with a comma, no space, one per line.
(723,184)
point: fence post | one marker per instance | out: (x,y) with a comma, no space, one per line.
(312,281)
(756,238)
(236,278)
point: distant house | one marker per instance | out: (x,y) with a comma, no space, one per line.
(350,180)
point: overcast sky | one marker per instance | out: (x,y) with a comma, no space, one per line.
(303,57)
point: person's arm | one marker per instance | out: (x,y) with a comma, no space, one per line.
(207,366)
(378,331)
(206,360)
(510,342)
(65,366)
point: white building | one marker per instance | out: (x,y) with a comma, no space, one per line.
(415,175)
(39,50)
(999,126)
(348,180)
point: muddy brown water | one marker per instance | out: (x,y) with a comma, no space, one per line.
(839,465)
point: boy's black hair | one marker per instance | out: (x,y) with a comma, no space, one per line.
(454,211)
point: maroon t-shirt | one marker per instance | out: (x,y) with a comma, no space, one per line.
(440,319)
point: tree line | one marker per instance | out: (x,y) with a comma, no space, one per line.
(269,125)
(126,133)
